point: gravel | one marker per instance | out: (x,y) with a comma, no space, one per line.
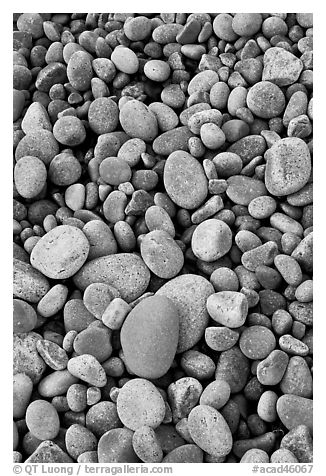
(163,238)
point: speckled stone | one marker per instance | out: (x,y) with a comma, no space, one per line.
(281,67)
(140,403)
(61,252)
(185,180)
(210,431)
(189,293)
(125,271)
(294,410)
(28,283)
(161,254)
(26,359)
(288,166)
(266,100)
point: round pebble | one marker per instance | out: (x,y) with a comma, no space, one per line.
(69,130)
(125,59)
(42,420)
(211,240)
(115,171)
(30,176)
(185,180)
(138,121)
(161,254)
(266,100)
(140,404)
(115,446)
(24,316)
(216,394)
(209,430)
(146,445)
(102,417)
(256,342)
(103,115)
(94,341)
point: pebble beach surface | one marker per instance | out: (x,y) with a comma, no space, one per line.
(163,237)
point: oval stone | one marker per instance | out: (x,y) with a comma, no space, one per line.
(211,240)
(22,391)
(294,410)
(41,144)
(42,420)
(140,404)
(209,430)
(103,115)
(125,271)
(125,59)
(61,252)
(149,337)
(184,454)
(257,342)
(266,100)
(242,190)
(79,71)
(288,166)
(185,180)
(24,316)
(138,121)
(189,293)
(172,140)
(115,446)
(161,254)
